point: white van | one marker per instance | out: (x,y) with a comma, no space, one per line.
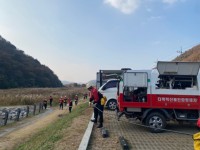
(109,89)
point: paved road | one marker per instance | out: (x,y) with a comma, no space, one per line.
(139,138)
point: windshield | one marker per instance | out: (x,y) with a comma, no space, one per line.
(110,84)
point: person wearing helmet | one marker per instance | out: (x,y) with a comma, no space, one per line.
(94,97)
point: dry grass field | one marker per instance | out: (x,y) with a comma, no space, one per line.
(29,96)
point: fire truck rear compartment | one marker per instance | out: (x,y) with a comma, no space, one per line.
(176,82)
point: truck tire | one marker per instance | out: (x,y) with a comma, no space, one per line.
(156,121)
(112,104)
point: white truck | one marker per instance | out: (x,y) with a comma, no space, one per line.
(109,89)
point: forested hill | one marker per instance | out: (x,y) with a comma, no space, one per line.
(192,54)
(18,70)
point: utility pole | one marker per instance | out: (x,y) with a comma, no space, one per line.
(180,51)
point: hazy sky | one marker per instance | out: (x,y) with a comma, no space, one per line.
(77,38)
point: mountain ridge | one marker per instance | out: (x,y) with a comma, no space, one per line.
(19,70)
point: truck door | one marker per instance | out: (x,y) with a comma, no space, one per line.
(135,79)
(135,86)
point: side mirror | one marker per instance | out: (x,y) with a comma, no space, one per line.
(104,88)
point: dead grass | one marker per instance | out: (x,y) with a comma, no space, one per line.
(190,55)
(72,135)
(29,96)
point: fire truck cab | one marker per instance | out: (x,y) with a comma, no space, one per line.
(168,92)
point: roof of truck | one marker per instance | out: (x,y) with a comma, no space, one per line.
(145,70)
(178,68)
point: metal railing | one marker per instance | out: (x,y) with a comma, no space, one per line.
(12,114)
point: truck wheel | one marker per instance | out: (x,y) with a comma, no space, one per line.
(156,121)
(112,104)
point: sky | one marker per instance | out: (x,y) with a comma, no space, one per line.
(77,38)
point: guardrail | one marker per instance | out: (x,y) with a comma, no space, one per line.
(12,114)
(86,137)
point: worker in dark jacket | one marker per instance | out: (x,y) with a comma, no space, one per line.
(70,103)
(61,100)
(98,108)
(45,103)
(50,101)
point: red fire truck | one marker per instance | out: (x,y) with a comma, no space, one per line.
(171,91)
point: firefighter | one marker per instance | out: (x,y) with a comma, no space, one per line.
(50,101)
(61,102)
(65,100)
(45,103)
(70,103)
(98,108)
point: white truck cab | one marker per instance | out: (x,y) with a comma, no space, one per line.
(109,89)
